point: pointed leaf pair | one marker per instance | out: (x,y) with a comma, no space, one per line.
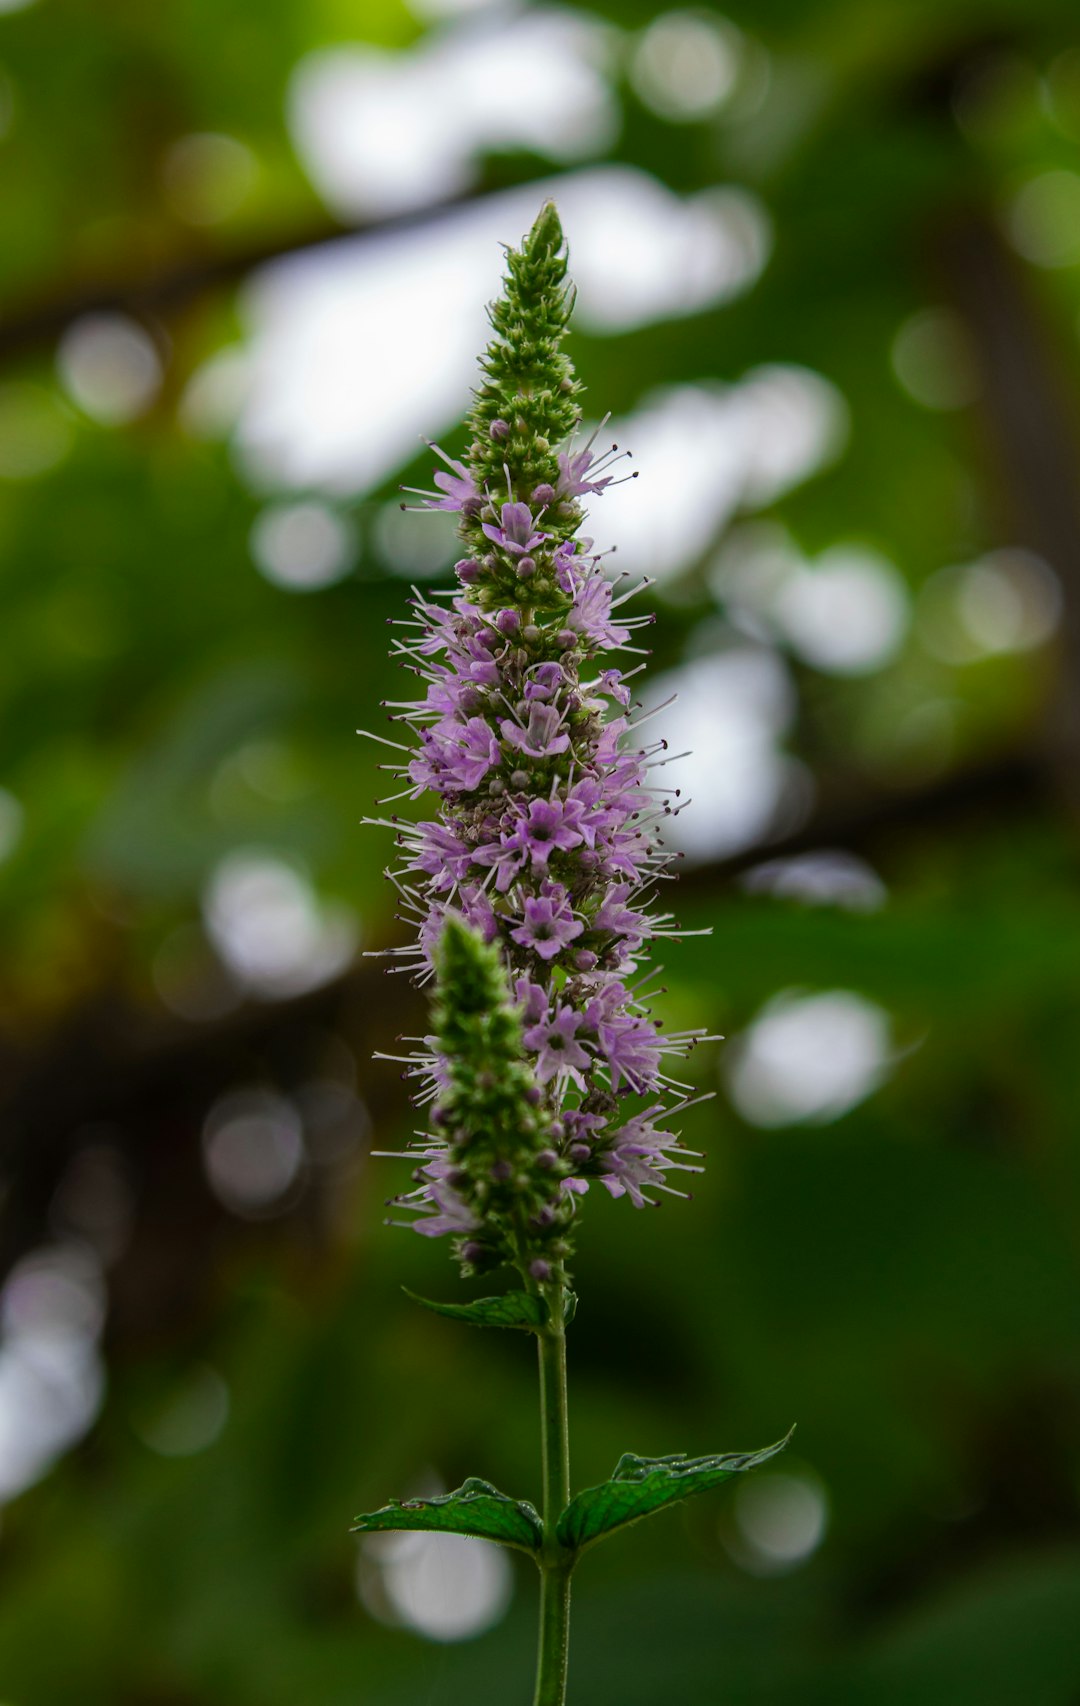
(641,1485)
(476,1509)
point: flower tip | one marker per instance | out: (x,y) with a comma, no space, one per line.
(547,231)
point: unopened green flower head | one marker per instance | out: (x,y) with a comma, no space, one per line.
(505,1200)
(527,403)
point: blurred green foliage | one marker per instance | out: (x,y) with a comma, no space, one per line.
(903,1281)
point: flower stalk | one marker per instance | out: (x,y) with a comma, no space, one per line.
(556,1562)
(533,898)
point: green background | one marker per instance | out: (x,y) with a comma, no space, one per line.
(903,1282)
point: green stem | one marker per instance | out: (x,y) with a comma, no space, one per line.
(555,1561)
(554,1637)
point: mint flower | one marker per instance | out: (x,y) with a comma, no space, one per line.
(550,806)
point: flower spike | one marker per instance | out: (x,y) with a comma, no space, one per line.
(536,874)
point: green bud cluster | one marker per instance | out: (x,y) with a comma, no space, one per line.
(527,404)
(490,1112)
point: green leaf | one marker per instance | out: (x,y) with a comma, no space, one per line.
(477,1508)
(512,1309)
(641,1485)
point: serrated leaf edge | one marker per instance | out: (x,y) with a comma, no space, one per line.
(460,1499)
(735,1462)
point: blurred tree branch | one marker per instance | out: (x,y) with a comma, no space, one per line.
(25,327)
(1032,436)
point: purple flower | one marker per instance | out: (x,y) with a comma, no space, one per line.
(441,855)
(596,815)
(508,854)
(472,660)
(579,471)
(452,1215)
(456,756)
(567,563)
(590,614)
(549,827)
(611,684)
(540,738)
(625,853)
(628,1174)
(557,1050)
(532,999)
(549,924)
(439,627)
(458,488)
(624,777)
(581,1129)
(478,750)
(448,697)
(517,534)
(614,915)
(632,1048)
(610,999)
(573,472)
(477,909)
(638,1156)
(546,679)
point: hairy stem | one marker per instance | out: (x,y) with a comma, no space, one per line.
(556,1562)
(554,1636)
